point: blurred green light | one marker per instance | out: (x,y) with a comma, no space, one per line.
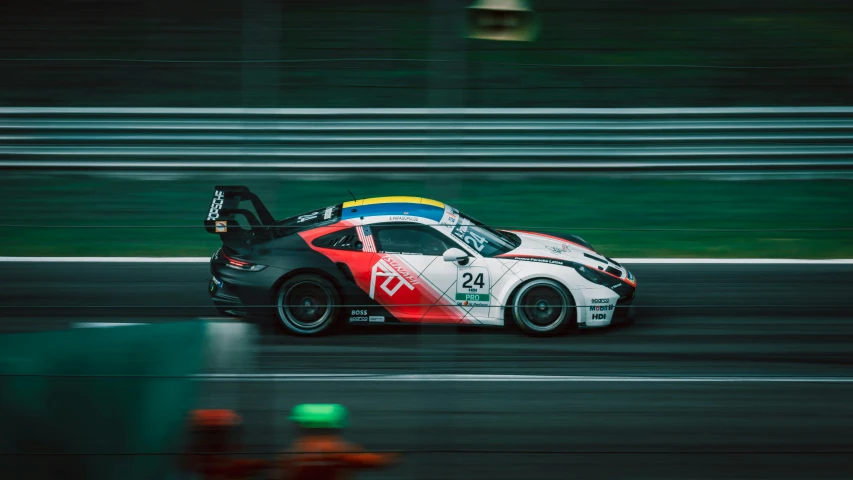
(319,415)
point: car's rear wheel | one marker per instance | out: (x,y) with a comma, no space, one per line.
(307,305)
(543,307)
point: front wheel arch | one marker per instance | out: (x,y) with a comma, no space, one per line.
(570,324)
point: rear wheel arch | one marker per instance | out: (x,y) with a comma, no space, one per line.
(319,315)
(273,292)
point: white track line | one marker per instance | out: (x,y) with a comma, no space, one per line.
(334,377)
(674,261)
(104,324)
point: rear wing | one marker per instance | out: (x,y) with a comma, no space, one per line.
(225,207)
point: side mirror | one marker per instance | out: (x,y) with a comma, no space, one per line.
(455,255)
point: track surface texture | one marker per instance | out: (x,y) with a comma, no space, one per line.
(791,323)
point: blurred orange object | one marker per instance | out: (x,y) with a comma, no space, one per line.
(326,456)
(215,418)
(213,445)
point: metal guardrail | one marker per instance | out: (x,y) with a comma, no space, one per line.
(701,139)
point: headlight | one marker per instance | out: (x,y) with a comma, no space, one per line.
(588,273)
(597,277)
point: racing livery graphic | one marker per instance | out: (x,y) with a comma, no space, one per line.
(405,260)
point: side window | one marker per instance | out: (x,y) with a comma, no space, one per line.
(346,239)
(409,238)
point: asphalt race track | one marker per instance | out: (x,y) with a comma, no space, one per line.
(731,371)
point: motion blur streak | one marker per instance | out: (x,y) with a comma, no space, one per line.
(720,131)
(738,388)
(335,377)
(705,139)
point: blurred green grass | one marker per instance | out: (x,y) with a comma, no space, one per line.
(74,215)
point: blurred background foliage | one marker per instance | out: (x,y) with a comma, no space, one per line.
(624,217)
(411,54)
(390,53)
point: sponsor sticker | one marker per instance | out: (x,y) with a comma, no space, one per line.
(403,218)
(357,319)
(473,286)
(599,316)
(376,319)
(550,261)
(395,277)
(600,300)
(466,303)
(601,308)
(216,205)
(307,216)
(221,226)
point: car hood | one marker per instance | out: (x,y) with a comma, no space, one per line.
(548,246)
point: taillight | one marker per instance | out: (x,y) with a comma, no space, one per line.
(241,264)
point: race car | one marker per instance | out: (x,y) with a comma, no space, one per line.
(405,260)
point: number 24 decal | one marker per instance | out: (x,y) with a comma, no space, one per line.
(469,277)
(475,241)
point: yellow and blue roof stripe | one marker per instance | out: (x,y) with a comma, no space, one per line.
(415,206)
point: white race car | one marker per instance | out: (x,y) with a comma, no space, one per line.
(406,260)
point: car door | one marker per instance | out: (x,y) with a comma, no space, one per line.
(409,275)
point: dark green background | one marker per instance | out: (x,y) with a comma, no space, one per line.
(78,215)
(392,53)
(384,53)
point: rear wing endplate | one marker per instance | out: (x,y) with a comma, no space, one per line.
(225,206)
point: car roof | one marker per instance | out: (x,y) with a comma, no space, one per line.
(410,206)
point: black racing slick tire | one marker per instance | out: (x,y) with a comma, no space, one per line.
(543,307)
(307,305)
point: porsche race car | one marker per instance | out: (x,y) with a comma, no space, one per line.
(405,260)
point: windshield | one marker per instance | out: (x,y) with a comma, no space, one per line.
(483,238)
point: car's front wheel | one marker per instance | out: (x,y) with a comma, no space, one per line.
(307,305)
(543,307)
